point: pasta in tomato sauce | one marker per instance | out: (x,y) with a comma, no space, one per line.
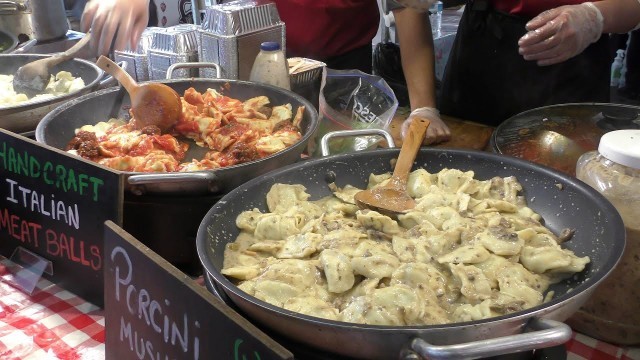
(232,131)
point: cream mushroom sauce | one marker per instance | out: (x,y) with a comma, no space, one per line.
(470,250)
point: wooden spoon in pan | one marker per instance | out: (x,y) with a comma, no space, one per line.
(32,78)
(392,198)
(151,103)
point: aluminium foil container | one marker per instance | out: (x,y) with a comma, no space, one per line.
(176,44)
(137,59)
(231,35)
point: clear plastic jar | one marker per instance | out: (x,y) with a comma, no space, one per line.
(270,66)
(611,314)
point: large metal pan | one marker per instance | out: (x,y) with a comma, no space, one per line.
(164,210)
(58,128)
(23,118)
(557,197)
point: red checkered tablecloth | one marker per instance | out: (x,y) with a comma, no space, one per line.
(50,324)
(53,323)
(582,347)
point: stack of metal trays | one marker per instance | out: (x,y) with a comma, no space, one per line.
(176,44)
(231,35)
(137,59)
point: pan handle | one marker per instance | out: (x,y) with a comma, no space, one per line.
(25,46)
(547,333)
(12,6)
(192,65)
(140,180)
(324,142)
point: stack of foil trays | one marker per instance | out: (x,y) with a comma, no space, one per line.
(137,64)
(232,32)
(176,44)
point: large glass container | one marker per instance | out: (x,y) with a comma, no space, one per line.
(611,314)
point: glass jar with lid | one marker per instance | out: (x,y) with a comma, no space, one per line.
(611,314)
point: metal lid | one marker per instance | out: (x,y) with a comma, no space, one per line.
(622,147)
(557,135)
(240,17)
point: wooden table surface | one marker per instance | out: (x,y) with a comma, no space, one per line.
(464,134)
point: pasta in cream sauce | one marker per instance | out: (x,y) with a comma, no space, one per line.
(470,250)
(61,83)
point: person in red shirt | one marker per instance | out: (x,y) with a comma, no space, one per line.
(336,32)
(340,33)
(510,56)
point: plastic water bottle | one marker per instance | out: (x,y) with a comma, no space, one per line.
(616,68)
(623,72)
(435,17)
(270,66)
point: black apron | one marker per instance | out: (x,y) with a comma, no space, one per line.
(487,80)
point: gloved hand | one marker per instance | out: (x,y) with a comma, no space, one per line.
(419,5)
(437,132)
(123,20)
(561,33)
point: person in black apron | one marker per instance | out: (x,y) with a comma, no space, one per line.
(487,80)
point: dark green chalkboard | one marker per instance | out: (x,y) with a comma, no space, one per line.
(55,204)
(153,310)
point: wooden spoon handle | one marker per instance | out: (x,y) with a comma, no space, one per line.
(117,72)
(71,52)
(410,147)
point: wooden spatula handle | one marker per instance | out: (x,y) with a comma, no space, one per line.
(410,146)
(72,51)
(117,72)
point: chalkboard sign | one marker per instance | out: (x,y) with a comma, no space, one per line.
(154,311)
(55,204)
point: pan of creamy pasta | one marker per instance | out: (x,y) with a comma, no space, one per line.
(70,79)
(494,245)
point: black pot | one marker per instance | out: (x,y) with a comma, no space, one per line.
(163,210)
(58,128)
(557,135)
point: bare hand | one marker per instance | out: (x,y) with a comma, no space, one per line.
(124,20)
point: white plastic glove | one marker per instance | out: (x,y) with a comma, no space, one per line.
(437,132)
(561,33)
(419,5)
(123,19)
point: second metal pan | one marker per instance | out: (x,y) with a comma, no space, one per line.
(59,126)
(556,197)
(23,118)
